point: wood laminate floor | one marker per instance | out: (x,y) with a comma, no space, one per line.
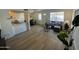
(35,39)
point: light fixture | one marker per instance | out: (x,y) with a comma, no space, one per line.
(44,14)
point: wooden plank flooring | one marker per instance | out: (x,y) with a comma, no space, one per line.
(35,39)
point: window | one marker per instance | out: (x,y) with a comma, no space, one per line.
(39,16)
(57,16)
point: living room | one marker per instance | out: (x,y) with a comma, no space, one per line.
(41,16)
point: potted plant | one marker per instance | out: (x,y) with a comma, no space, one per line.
(63,37)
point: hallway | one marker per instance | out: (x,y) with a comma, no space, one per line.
(35,39)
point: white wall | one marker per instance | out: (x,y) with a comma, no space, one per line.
(6,25)
(20,17)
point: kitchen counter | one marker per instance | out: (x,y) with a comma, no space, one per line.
(18,28)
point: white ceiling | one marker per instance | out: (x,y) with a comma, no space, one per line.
(34,10)
(30,10)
